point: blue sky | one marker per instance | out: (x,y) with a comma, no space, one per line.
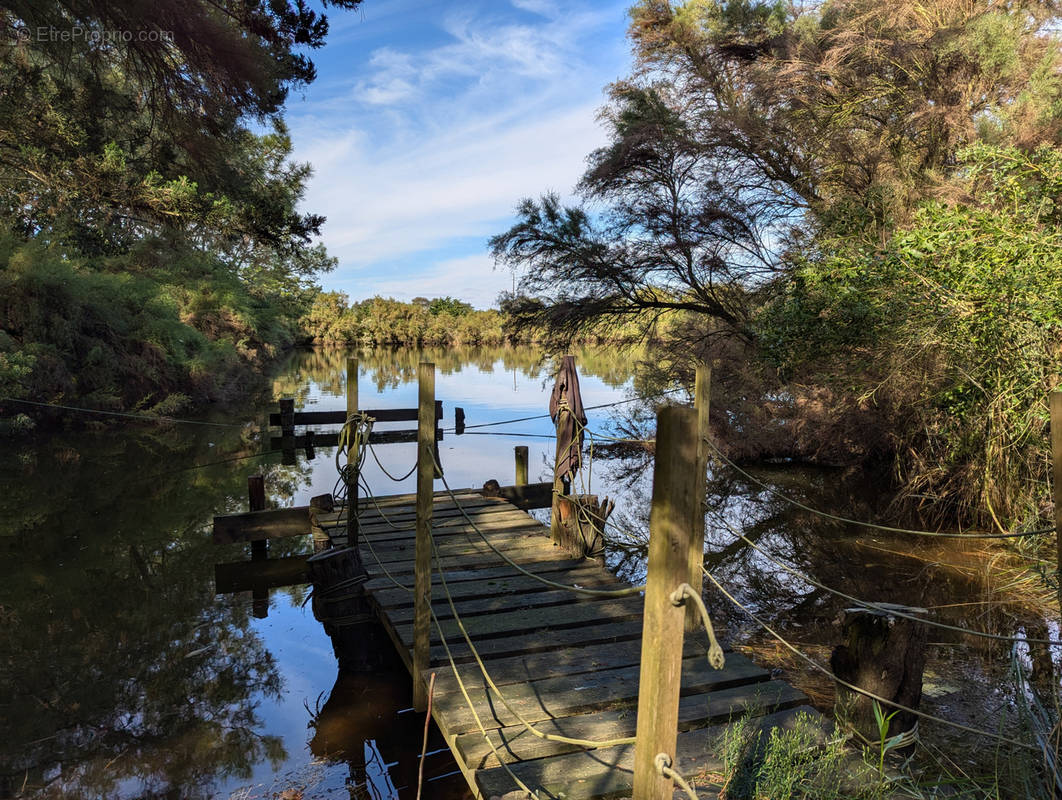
(429,121)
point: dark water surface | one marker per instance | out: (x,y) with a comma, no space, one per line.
(123,674)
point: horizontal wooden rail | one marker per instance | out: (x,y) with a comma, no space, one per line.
(281,523)
(339,417)
(315,439)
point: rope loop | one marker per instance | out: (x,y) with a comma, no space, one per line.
(678,598)
(662,763)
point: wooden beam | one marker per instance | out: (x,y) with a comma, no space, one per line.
(674,493)
(339,417)
(332,439)
(422,576)
(531,495)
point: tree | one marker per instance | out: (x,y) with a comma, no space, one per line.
(769,165)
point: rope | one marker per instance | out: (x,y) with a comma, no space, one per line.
(887,608)
(662,762)
(626,592)
(588,743)
(376,458)
(679,597)
(859,690)
(585,408)
(861,523)
(126,414)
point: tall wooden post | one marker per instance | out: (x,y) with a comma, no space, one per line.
(521,464)
(674,494)
(352,486)
(1056,474)
(701,401)
(422,580)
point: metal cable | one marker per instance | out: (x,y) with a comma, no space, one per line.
(859,690)
(888,608)
(860,523)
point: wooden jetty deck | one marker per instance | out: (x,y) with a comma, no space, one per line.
(568,663)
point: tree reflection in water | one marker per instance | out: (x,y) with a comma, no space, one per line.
(121,672)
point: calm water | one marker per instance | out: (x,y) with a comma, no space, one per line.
(123,674)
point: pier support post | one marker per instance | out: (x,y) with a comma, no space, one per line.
(521,464)
(352,486)
(674,495)
(1056,475)
(702,403)
(425,485)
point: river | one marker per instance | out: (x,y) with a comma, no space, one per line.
(125,675)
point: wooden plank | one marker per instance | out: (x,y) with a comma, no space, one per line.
(278,523)
(608,773)
(339,417)
(332,439)
(536,619)
(516,743)
(492,605)
(567,661)
(256,525)
(388,597)
(531,495)
(565,695)
(540,641)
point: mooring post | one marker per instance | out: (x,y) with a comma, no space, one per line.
(701,401)
(352,486)
(287,430)
(1056,476)
(674,495)
(425,486)
(521,464)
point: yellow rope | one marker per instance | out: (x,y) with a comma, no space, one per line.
(662,762)
(715,652)
(588,743)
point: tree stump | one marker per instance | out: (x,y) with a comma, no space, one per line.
(584,517)
(883,654)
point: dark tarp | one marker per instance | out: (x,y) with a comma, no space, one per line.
(570,433)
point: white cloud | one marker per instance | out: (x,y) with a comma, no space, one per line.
(422,149)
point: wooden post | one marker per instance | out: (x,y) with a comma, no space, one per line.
(422,580)
(352,487)
(674,494)
(1056,475)
(256,501)
(701,402)
(287,430)
(521,464)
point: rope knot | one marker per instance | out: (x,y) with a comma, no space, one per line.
(679,597)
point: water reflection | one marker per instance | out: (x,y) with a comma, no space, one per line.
(120,668)
(123,675)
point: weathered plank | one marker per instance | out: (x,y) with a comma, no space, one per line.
(549,640)
(567,661)
(565,695)
(608,773)
(516,743)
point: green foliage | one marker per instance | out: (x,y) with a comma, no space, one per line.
(796,762)
(151,246)
(954,324)
(384,321)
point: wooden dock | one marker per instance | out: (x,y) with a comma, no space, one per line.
(568,663)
